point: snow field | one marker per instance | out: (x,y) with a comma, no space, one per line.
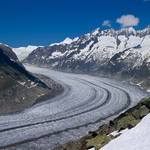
(137,138)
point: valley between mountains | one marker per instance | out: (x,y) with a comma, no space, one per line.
(86,103)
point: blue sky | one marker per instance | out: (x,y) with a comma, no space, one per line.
(43,22)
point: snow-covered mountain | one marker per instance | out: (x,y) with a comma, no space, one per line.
(23,52)
(123,55)
(66,41)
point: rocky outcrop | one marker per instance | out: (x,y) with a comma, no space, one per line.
(19,88)
(105,133)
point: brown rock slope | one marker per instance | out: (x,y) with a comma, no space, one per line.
(19,88)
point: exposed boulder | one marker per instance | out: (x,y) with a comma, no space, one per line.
(126,122)
(143,111)
(99,141)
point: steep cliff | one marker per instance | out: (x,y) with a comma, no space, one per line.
(18,87)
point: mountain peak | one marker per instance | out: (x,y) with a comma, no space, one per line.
(67,41)
(96,31)
(131,29)
(148,26)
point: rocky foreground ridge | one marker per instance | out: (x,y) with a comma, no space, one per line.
(122,55)
(107,132)
(19,88)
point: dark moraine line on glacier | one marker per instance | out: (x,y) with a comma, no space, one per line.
(27,125)
(67,129)
(70,116)
(104,103)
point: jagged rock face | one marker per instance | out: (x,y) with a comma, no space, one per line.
(117,54)
(18,88)
(132,64)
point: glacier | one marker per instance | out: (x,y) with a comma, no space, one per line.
(86,103)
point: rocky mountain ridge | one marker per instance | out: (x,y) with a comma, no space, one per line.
(18,87)
(122,55)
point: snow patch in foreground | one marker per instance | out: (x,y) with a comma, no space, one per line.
(137,138)
(92,149)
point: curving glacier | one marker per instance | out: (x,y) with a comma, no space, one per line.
(86,103)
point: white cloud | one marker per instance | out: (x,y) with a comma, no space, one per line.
(128,20)
(106,23)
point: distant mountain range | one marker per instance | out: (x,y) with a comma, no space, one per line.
(17,85)
(122,55)
(22,52)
